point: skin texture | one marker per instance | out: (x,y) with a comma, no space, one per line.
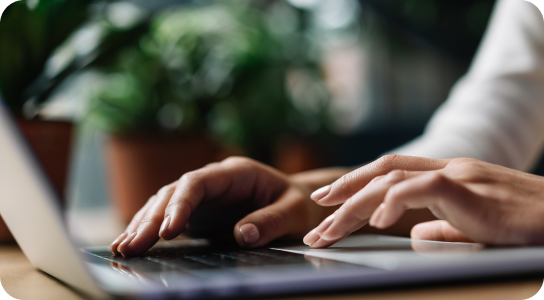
(475,201)
(237,195)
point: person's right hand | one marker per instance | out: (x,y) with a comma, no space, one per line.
(476,201)
(271,206)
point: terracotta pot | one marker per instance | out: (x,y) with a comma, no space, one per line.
(5,234)
(51,142)
(139,166)
(293,155)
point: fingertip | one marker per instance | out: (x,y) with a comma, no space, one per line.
(438,230)
(377,215)
(115,244)
(250,233)
(320,193)
(323,243)
(310,238)
(124,247)
(164,227)
(419,230)
(329,229)
(113,249)
(170,233)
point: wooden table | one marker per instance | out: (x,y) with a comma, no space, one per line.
(24,282)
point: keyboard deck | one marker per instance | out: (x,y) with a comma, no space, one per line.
(204,262)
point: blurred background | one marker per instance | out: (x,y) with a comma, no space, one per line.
(119,98)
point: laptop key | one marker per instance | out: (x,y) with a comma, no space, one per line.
(219,261)
(179,262)
(139,263)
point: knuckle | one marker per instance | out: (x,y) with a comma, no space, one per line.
(391,177)
(235,160)
(395,175)
(162,191)
(177,205)
(377,179)
(467,169)
(467,163)
(211,165)
(190,176)
(152,199)
(437,179)
(387,160)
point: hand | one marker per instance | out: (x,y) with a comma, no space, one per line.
(476,201)
(265,203)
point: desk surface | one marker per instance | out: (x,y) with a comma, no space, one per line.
(24,282)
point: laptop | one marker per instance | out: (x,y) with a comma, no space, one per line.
(200,269)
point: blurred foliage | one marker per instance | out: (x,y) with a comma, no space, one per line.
(247,71)
(222,66)
(28,36)
(218,67)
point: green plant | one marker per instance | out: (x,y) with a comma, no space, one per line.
(28,36)
(245,71)
(219,67)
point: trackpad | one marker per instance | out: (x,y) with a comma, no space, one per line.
(386,252)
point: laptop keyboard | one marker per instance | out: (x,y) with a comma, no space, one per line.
(196,261)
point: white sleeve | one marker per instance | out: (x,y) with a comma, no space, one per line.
(495,113)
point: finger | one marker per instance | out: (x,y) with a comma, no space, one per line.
(234,180)
(440,230)
(314,236)
(143,232)
(132,226)
(116,242)
(287,217)
(356,212)
(323,241)
(351,183)
(432,189)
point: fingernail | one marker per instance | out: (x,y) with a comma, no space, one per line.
(311,238)
(164,226)
(126,242)
(321,243)
(321,193)
(115,243)
(250,232)
(377,216)
(119,238)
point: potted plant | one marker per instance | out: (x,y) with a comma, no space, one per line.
(180,86)
(201,82)
(28,36)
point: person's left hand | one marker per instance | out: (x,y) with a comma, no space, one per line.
(476,201)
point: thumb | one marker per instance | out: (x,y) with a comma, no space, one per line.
(440,230)
(289,216)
